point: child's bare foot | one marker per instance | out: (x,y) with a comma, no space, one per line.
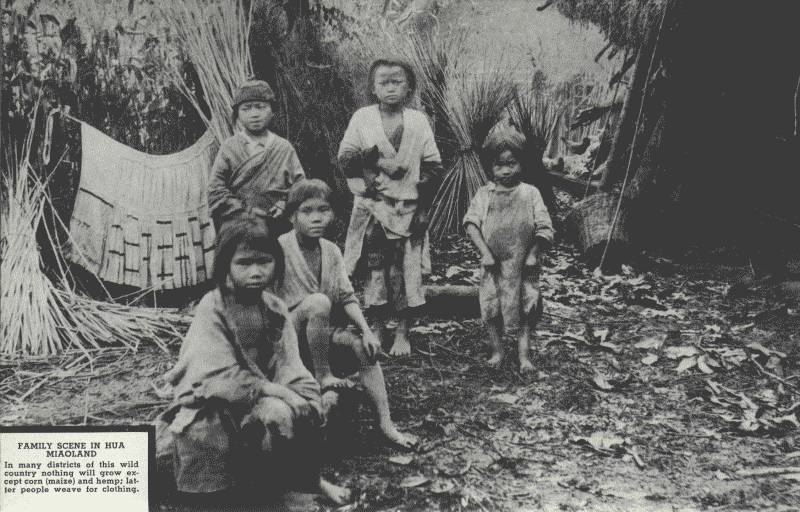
(336,493)
(329,383)
(401,346)
(525,365)
(496,360)
(328,402)
(399,439)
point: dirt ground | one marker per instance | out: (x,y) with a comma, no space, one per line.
(617,417)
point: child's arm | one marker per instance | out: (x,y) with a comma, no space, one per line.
(221,200)
(372,346)
(544,230)
(487,258)
(430,178)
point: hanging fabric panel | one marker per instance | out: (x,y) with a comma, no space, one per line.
(142,220)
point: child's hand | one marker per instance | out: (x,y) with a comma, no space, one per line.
(392,168)
(487,261)
(277,209)
(300,406)
(371,344)
(532,260)
(420,223)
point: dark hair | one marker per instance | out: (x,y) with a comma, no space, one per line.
(497,143)
(235,112)
(304,190)
(391,62)
(254,233)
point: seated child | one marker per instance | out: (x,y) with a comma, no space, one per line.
(254,168)
(322,303)
(246,410)
(509,224)
(393,167)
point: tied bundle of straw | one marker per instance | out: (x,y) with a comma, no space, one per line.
(214,35)
(473,102)
(536,116)
(40,317)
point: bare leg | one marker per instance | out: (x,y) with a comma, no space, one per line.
(525,364)
(336,493)
(316,313)
(496,341)
(372,379)
(401,345)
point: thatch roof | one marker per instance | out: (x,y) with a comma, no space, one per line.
(624,22)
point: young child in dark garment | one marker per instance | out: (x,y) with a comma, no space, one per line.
(246,410)
(390,157)
(325,310)
(509,224)
(255,167)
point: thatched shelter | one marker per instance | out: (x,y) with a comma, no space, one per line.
(714,93)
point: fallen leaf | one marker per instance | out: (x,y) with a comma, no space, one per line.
(506,398)
(633,452)
(610,346)
(649,359)
(703,366)
(601,334)
(452,271)
(442,486)
(651,342)
(761,349)
(414,481)
(401,460)
(600,382)
(680,352)
(601,441)
(685,364)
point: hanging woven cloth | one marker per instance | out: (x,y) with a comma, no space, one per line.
(143,220)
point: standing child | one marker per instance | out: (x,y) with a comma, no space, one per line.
(509,224)
(254,168)
(394,168)
(334,335)
(246,410)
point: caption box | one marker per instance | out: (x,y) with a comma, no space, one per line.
(80,469)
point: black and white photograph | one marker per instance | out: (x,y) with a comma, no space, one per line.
(399,255)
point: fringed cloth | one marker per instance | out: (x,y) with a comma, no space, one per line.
(142,220)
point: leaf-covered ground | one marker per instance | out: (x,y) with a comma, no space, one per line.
(654,390)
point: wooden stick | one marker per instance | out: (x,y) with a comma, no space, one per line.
(768,471)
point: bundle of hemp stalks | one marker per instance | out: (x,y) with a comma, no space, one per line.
(42,316)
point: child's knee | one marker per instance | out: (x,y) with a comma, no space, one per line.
(317,305)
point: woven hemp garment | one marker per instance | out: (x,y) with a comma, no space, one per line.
(143,220)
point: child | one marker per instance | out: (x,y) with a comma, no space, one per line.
(255,167)
(322,303)
(246,410)
(394,168)
(509,224)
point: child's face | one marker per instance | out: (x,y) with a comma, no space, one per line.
(506,169)
(255,116)
(251,270)
(312,217)
(390,85)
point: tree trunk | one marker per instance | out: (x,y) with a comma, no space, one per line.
(618,158)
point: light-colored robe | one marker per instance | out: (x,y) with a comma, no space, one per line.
(397,200)
(510,220)
(300,281)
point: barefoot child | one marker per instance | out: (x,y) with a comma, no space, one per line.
(509,224)
(324,308)
(390,157)
(254,168)
(246,410)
